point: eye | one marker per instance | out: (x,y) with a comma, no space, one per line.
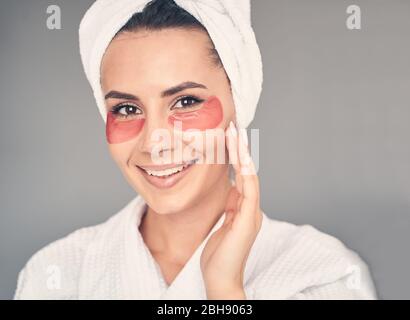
(125,110)
(187,102)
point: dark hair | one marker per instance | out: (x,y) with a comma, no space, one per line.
(162,14)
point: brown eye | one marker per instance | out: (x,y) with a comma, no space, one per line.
(186,102)
(126,109)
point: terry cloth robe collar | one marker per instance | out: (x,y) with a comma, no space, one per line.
(284,260)
(118,261)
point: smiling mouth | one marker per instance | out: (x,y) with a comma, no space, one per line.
(166,176)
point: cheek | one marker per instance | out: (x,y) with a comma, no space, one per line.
(208,117)
(120,153)
(118,131)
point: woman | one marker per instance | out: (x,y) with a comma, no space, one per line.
(192,233)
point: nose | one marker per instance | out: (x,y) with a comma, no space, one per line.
(155,137)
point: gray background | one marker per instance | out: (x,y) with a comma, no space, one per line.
(333,119)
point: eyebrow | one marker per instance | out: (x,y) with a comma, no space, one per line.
(168,92)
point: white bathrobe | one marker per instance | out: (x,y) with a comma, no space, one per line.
(111,261)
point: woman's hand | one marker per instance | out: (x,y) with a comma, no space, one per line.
(224,257)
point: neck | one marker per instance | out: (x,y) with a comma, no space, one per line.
(179,234)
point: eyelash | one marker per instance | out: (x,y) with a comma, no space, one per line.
(196,101)
(116,109)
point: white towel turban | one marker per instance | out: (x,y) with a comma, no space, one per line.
(228,23)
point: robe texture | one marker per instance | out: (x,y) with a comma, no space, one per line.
(111,261)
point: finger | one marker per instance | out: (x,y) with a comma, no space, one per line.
(232,142)
(232,200)
(250,195)
(229,217)
(247,168)
(231,207)
(245,159)
(250,181)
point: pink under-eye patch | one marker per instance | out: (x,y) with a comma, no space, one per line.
(118,131)
(208,116)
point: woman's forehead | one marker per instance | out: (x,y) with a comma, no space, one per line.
(150,56)
(149,47)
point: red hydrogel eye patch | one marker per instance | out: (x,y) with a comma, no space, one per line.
(118,131)
(207,117)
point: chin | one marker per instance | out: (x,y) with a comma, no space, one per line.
(169,203)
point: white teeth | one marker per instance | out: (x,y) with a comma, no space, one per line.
(166,172)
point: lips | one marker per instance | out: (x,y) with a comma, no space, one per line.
(166,176)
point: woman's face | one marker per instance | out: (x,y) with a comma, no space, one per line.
(140,75)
